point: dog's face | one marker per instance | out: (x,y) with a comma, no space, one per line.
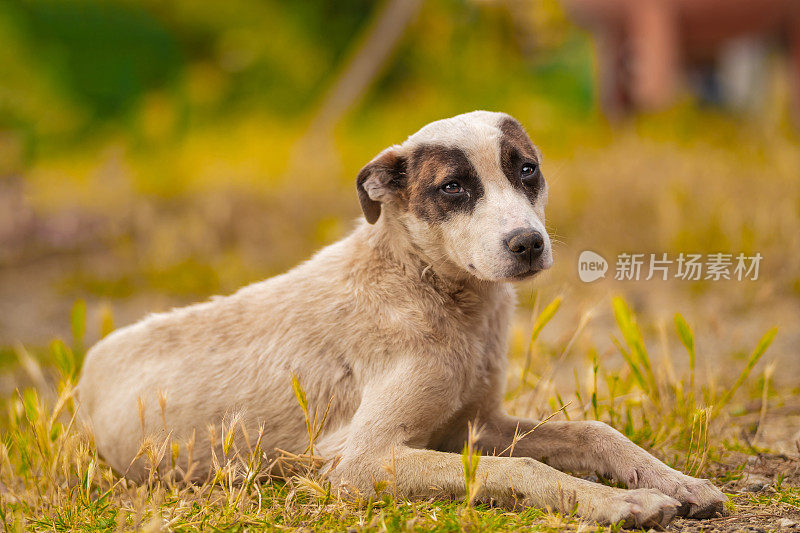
(470,193)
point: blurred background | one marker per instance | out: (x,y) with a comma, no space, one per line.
(156,153)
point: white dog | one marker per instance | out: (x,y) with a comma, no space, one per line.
(403,325)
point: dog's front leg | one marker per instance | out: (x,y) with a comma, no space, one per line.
(393,425)
(596,446)
(512,482)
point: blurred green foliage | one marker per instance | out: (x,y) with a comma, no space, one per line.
(76,71)
(105,57)
(153,147)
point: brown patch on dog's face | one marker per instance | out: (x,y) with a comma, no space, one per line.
(442,182)
(517,154)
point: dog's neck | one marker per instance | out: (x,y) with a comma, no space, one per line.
(391,240)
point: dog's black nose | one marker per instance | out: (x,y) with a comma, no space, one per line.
(525,244)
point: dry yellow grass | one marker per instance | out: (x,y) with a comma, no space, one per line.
(52,478)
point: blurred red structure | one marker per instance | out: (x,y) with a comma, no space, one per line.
(646,47)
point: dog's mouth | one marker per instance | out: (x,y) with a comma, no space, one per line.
(512,273)
(525,274)
(530,271)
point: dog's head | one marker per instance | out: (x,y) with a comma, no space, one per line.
(469,192)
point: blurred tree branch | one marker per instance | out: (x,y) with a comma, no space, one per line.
(370,55)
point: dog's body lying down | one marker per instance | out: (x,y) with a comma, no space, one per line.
(403,324)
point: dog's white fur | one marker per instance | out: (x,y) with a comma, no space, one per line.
(402,325)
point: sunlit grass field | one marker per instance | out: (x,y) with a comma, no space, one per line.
(53,479)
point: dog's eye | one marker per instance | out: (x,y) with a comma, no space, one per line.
(453,187)
(528,170)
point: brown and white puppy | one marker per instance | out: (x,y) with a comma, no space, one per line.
(402,326)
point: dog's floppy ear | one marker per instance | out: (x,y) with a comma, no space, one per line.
(379,181)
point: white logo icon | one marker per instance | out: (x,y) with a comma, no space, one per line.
(591,266)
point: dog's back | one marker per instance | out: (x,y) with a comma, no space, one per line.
(230,356)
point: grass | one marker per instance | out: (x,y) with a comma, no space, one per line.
(52,478)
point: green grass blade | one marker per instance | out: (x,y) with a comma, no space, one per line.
(755,356)
(544,317)
(299,394)
(64,358)
(686,336)
(541,321)
(637,373)
(639,358)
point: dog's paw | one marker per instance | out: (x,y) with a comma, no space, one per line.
(637,508)
(699,498)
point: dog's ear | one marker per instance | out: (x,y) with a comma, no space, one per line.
(380,181)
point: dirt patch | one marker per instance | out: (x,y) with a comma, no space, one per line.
(763,490)
(755,473)
(774,467)
(751,518)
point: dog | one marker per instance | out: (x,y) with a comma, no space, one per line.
(401,328)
